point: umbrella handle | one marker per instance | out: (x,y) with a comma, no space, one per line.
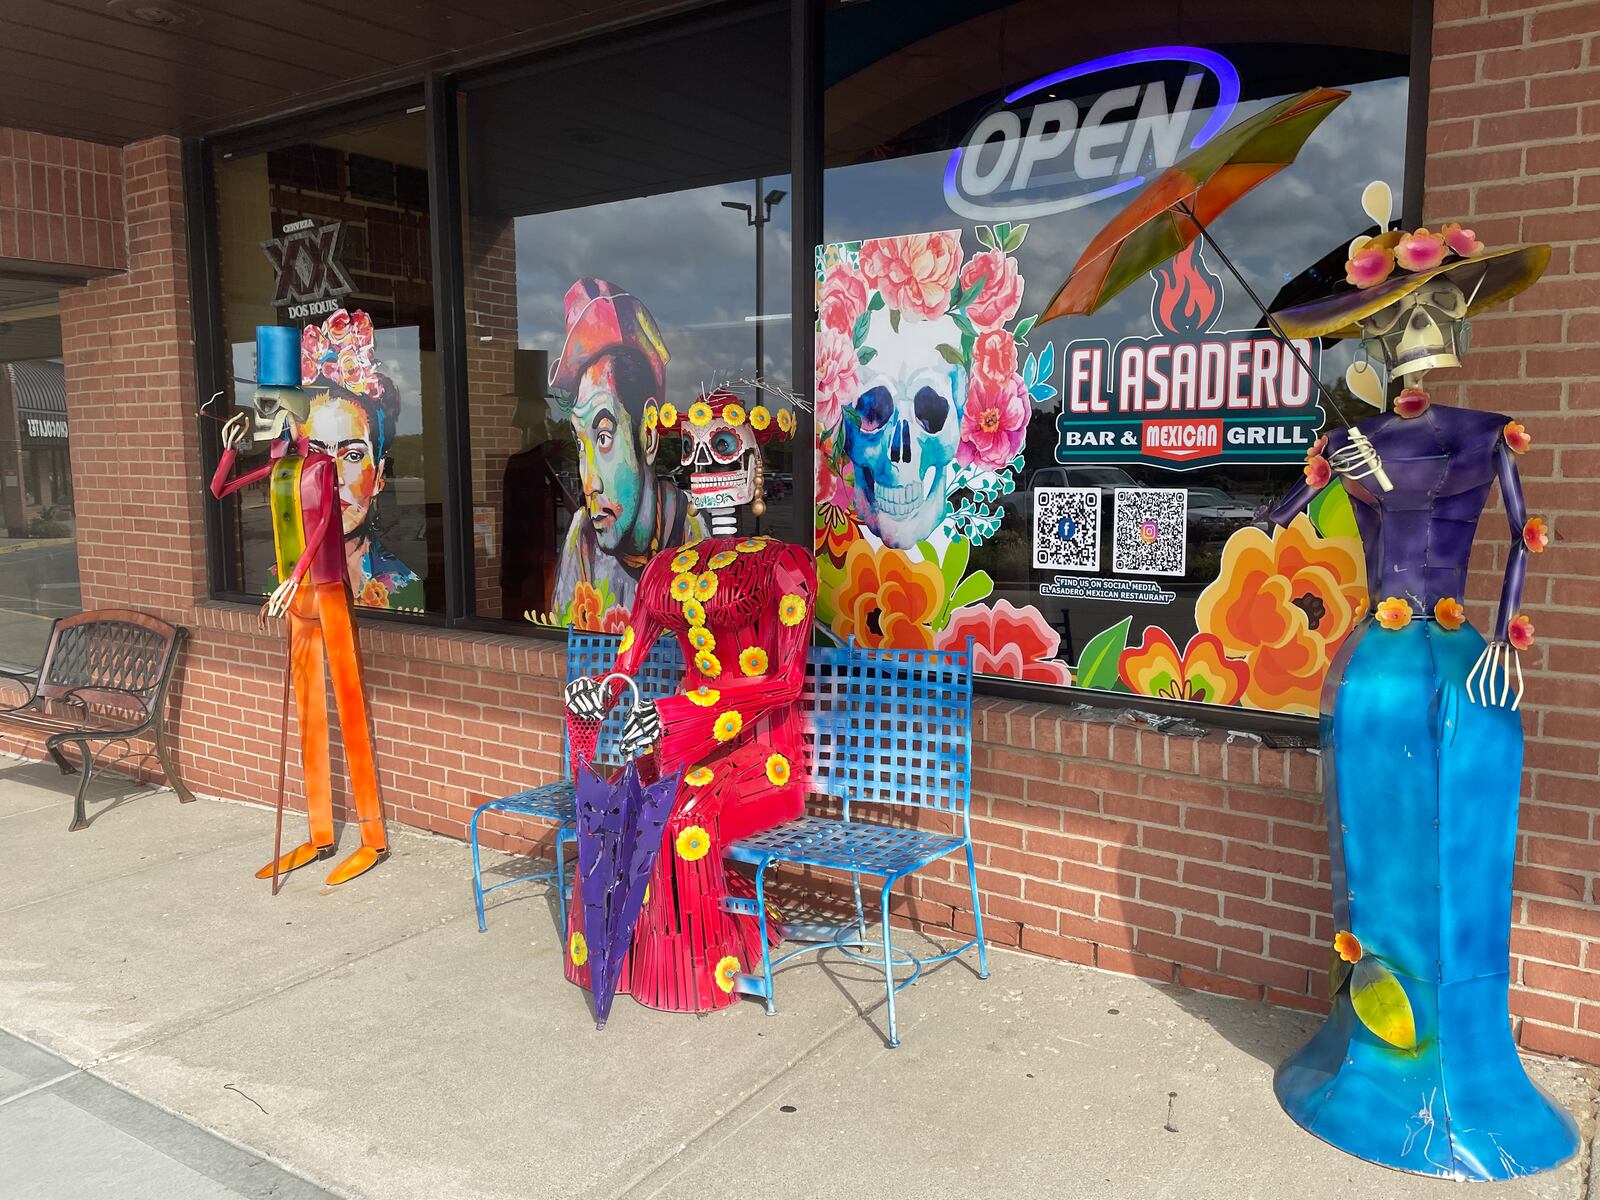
(627,679)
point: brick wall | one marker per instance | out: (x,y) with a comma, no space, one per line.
(60,204)
(1514,152)
(1198,861)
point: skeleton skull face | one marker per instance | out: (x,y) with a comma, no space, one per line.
(722,462)
(1423,330)
(903,428)
(280,407)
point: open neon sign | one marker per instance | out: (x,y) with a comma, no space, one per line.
(1128,132)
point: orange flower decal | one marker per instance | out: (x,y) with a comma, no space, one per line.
(586,607)
(1347,946)
(373,594)
(1517,437)
(1449,613)
(1394,613)
(727,972)
(1536,535)
(1282,604)
(1520,632)
(1202,672)
(887,600)
(777,770)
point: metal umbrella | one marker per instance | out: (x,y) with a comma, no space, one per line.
(1179,205)
(620,820)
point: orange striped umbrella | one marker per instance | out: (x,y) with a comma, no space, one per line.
(1169,214)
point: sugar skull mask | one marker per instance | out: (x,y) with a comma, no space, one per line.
(903,429)
(1423,330)
(721,458)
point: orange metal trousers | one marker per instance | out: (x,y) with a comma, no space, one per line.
(321,626)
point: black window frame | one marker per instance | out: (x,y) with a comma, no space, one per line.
(435,94)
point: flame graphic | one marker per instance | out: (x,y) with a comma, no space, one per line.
(1189,294)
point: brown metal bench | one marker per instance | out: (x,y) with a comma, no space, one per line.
(103,681)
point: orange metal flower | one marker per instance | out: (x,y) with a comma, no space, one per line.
(1449,613)
(1202,672)
(726,973)
(1520,632)
(1536,535)
(1282,604)
(1347,946)
(1517,437)
(887,599)
(1412,402)
(1394,613)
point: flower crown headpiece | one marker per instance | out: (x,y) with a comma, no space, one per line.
(724,401)
(1374,258)
(340,350)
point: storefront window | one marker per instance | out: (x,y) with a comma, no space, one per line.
(332,236)
(627,244)
(984,474)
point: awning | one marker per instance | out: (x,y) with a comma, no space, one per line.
(39,391)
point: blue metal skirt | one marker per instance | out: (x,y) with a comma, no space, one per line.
(1422,790)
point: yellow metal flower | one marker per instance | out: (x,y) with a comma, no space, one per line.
(685,559)
(694,612)
(578,949)
(627,640)
(699,777)
(707,664)
(668,415)
(777,770)
(721,558)
(760,418)
(726,972)
(682,586)
(651,416)
(792,610)
(727,726)
(700,413)
(705,585)
(751,545)
(753,660)
(703,696)
(785,420)
(693,843)
(702,638)
(733,414)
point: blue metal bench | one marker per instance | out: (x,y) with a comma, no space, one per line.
(588,654)
(889,727)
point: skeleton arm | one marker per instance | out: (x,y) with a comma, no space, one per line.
(591,699)
(1299,498)
(232,434)
(1490,681)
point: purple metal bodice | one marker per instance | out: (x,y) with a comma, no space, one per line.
(1418,537)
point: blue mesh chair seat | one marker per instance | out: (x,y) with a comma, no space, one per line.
(890,728)
(588,654)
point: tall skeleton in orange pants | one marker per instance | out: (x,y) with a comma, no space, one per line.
(308,536)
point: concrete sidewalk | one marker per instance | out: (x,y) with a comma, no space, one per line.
(371,1041)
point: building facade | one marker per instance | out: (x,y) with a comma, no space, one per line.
(459,205)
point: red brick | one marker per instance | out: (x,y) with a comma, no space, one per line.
(1123,963)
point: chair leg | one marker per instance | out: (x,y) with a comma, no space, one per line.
(477,871)
(80,819)
(977,916)
(888,965)
(766,947)
(861,916)
(164,757)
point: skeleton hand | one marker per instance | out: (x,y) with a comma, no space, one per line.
(282,596)
(1489,681)
(586,699)
(641,730)
(236,430)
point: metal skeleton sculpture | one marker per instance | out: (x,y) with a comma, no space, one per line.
(314,594)
(1415,1067)
(742,609)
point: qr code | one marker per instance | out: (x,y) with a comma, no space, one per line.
(1150,531)
(1066,529)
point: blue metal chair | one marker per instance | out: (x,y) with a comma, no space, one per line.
(588,654)
(889,727)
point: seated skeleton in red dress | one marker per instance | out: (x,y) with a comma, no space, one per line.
(741,608)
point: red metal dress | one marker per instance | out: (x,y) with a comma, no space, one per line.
(741,608)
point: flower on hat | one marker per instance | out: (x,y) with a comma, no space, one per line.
(1517,437)
(1463,241)
(705,585)
(1369,265)
(652,416)
(722,558)
(668,414)
(1520,632)
(1393,613)
(1536,535)
(760,418)
(733,414)
(1449,613)
(682,586)
(685,559)
(1412,402)
(785,420)
(1419,251)
(700,413)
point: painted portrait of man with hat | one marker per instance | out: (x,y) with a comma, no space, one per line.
(609,383)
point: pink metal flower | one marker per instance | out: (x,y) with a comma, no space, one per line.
(1520,632)
(994,423)
(1001,295)
(1369,266)
(1536,535)
(842,298)
(1419,251)
(1517,437)
(836,376)
(915,273)
(1462,241)
(1317,471)
(1318,446)
(1412,402)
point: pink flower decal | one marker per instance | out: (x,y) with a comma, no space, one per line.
(1317,471)
(1412,402)
(994,356)
(993,426)
(340,350)
(1520,632)
(835,487)
(1536,535)
(842,299)
(915,273)
(1517,437)
(615,620)
(1015,642)
(1369,266)
(1419,251)
(1462,241)
(997,302)
(339,329)
(836,377)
